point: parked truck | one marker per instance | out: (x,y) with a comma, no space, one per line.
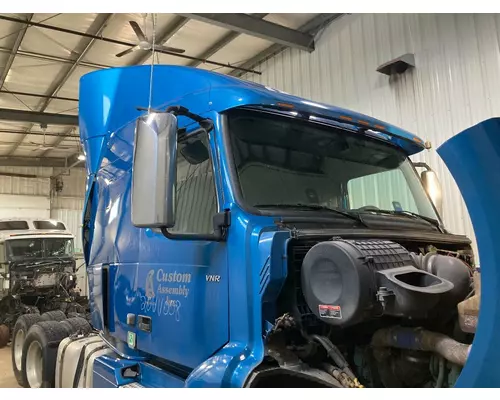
(239,236)
(37,272)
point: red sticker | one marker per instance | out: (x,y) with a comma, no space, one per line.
(328,311)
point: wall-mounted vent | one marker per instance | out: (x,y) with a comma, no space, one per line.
(398,65)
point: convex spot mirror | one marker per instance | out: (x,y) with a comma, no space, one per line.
(194,152)
(433,189)
(431,185)
(154,171)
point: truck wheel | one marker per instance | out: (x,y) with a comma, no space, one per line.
(21,328)
(56,315)
(4,335)
(76,325)
(76,314)
(40,353)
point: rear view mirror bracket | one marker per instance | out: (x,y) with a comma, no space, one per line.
(221,222)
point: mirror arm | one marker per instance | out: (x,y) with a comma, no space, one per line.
(222,221)
(422,165)
(205,123)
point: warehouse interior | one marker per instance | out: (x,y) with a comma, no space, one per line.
(449,83)
(43,57)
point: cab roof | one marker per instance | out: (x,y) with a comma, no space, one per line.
(19,228)
(111,98)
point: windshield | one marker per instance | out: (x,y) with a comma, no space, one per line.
(284,161)
(18,249)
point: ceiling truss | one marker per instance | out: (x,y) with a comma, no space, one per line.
(237,24)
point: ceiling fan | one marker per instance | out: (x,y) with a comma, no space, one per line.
(43,146)
(145,44)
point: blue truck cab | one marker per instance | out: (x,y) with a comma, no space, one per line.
(239,236)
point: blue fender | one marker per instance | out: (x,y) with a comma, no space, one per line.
(473,158)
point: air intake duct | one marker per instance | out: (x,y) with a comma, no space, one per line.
(346,282)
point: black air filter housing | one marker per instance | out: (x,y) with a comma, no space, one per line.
(345,282)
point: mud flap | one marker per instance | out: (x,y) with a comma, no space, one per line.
(473,158)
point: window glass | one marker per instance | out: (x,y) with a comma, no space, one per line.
(13,225)
(38,248)
(49,225)
(284,162)
(195,191)
(387,190)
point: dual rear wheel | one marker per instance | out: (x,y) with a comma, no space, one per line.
(35,343)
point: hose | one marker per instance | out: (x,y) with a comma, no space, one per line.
(419,339)
(332,351)
(335,354)
(344,379)
(440,378)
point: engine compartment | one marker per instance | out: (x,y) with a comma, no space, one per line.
(372,313)
(35,287)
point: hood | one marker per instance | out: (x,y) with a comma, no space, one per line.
(473,158)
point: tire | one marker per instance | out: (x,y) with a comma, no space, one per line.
(40,353)
(56,315)
(76,325)
(21,328)
(4,335)
(75,315)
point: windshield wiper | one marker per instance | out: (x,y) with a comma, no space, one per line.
(354,216)
(431,221)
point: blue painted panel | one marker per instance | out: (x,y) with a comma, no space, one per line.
(154,377)
(107,372)
(473,158)
(109,100)
(189,315)
(192,323)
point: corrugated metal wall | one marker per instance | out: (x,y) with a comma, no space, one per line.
(37,186)
(455,83)
(67,205)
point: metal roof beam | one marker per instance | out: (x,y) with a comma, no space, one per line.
(48,57)
(97,27)
(37,117)
(109,40)
(250,25)
(169,31)
(62,137)
(220,44)
(313,26)
(13,52)
(23,132)
(43,96)
(54,162)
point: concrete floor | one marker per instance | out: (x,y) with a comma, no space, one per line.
(7,379)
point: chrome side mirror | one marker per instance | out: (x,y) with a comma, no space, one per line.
(154,171)
(432,186)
